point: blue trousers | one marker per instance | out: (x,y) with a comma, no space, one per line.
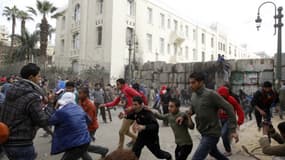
(20,153)
(208,145)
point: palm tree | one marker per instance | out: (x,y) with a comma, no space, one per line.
(44,8)
(27,50)
(24,16)
(11,14)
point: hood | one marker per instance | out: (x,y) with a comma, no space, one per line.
(223,91)
(23,87)
(163,89)
(67,98)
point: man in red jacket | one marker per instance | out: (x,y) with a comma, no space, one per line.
(224,92)
(127,93)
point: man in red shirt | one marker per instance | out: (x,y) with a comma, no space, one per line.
(90,109)
(224,92)
(127,93)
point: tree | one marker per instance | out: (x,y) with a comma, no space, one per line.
(44,8)
(27,50)
(11,14)
(24,16)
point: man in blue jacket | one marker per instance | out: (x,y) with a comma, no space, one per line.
(71,133)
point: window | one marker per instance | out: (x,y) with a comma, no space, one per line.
(99,35)
(161,48)
(235,52)
(195,56)
(131,7)
(63,23)
(180,51)
(77,13)
(203,56)
(168,23)
(186,52)
(149,11)
(129,35)
(203,38)
(181,28)
(62,46)
(212,42)
(149,42)
(230,50)
(224,47)
(212,57)
(99,7)
(175,49)
(75,41)
(194,34)
(175,25)
(186,31)
(168,49)
(162,20)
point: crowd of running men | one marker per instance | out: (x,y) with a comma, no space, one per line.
(69,114)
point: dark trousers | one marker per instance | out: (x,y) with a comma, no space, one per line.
(208,145)
(102,112)
(165,111)
(94,149)
(75,153)
(182,152)
(20,153)
(153,146)
(259,117)
(225,135)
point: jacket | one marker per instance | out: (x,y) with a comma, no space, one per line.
(205,104)
(70,130)
(129,93)
(263,100)
(22,112)
(224,92)
(90,109)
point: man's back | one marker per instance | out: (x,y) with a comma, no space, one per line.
(22,112)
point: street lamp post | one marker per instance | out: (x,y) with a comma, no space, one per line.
(278,24)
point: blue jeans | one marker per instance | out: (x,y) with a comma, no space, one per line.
(20,153)
(225,135)
(208,145)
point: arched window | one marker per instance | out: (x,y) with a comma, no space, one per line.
(131,7)
(77,13)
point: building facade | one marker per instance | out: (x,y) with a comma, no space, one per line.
(114,33)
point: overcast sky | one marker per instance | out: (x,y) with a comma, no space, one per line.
(235,16)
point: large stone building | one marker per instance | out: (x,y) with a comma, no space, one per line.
(4,35)
(98,32)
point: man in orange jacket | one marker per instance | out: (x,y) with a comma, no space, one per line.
(90,109)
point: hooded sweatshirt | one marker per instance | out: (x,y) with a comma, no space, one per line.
(224,92)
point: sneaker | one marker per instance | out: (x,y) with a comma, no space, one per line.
(130,144)
(227,154)
(45,135)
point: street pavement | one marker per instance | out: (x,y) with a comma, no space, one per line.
(107,135)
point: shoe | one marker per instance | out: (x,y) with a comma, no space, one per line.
(105,153)
(45,135)
(130,144)
(227,154)
(281,117)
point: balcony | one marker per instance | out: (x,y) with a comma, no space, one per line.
(177,37)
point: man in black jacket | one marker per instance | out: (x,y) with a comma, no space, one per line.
(147,126)
(23,113)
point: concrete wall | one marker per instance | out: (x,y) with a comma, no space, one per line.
(245,74)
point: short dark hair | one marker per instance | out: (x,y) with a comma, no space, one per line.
(198,76)
(138,99)
(267,84)
(175,101)
(30,69)
(70,84)
(136,86)
(281,127)
(84,90)
(121,81)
